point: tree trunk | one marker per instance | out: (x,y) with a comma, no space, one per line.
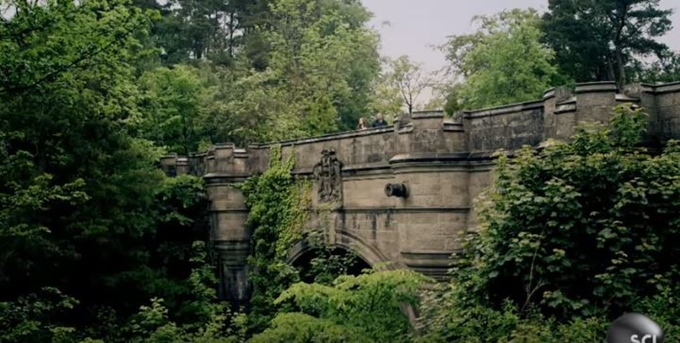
(231,34)
(622,70)
(611,75)
(618,50)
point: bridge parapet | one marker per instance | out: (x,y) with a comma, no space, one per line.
(432,166)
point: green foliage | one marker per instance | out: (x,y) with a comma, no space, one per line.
(364,308)
(27,318)
(77,189)
(300,327)
(171,101)
(667,69)
(214,322)
(479,323)
(64,120)
(327,262)
(503,62)
(314,74)
(80,192)
(320,66)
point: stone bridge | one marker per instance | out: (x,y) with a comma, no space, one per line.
(403,193)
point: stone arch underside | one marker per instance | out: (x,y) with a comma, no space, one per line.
(346,241)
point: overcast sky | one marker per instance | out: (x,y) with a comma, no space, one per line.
(416,25)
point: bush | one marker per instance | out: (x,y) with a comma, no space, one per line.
(572,236)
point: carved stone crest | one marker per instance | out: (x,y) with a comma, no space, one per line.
(328,172)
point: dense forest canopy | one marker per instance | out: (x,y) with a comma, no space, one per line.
(98,245)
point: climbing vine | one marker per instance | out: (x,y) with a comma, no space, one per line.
(279,207)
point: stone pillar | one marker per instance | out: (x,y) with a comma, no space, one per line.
(645,97)
(559,106)
(226,167)
(595,101)
(169,165)
(233,273)
(668,110)
(432,207)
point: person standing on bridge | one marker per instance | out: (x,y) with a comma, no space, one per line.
(379,121)
(362,124)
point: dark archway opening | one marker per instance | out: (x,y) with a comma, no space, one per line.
(324,264)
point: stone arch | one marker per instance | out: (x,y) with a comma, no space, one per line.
(346,241)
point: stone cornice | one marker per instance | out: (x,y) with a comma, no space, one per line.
(391,209)
(430,209)
(450,126)
(425,162)
(217,178)
(438,158)
(595,87)
(329,137)
(427,114)
(511,108)
(670,87)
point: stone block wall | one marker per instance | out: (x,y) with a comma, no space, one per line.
(443,163)
(507,127)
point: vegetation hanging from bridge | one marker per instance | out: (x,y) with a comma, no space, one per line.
(279,212)
(279,206)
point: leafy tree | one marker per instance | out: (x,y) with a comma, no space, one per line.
(365,66)
(300,327)
(580,228)
(89,226)
(603,40)
(664,70)
(364,308)
(320,64)
(386,98)
(409,79)
(503,62)
(75,184)
(453,102)
(314,68)
(254,16)
(171,101)
(28,318)
(244,108)
(216,323)
(197,30)
(441,89)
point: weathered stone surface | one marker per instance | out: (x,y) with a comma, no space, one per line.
(445,164)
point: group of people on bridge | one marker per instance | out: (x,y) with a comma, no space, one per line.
(378,122)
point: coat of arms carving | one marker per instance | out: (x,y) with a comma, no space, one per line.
(328,172)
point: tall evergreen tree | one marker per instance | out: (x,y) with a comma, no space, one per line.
(604,39)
